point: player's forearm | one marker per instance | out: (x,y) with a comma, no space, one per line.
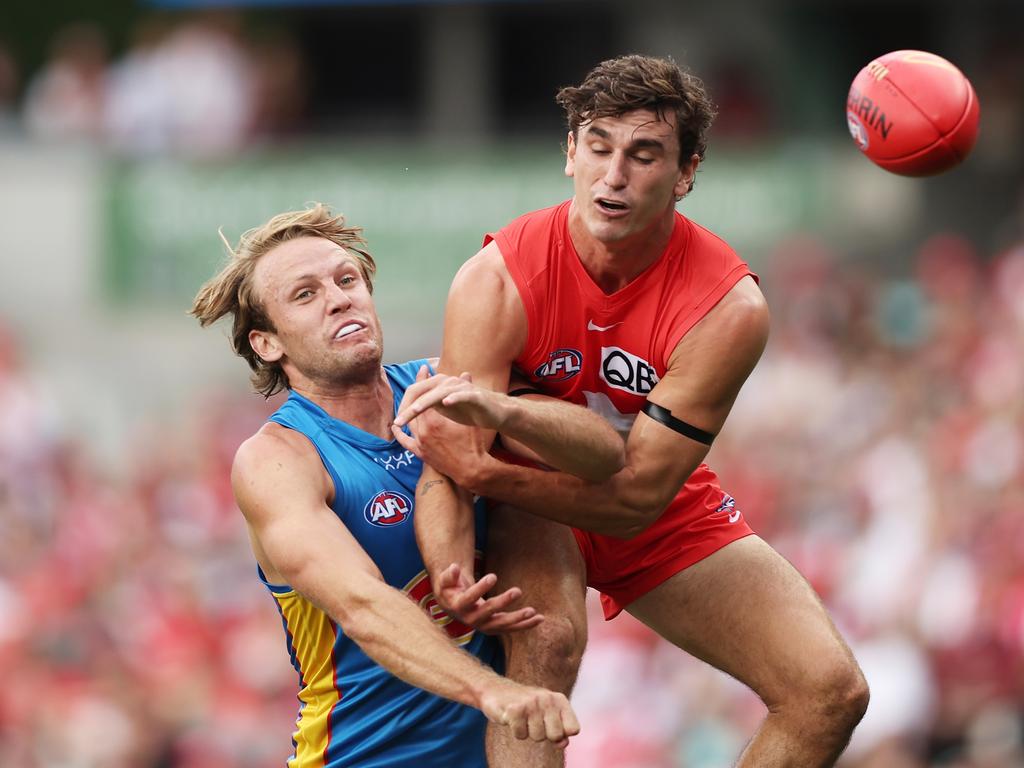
(567,437)
(444,526)
(389,627)
(620,506)
(396,634)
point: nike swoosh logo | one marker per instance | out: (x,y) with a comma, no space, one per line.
(592,326)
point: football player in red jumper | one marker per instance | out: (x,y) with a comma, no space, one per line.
(616,301)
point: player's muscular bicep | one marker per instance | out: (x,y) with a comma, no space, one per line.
(705,374)
(710,364)
(485,324)
(281,488)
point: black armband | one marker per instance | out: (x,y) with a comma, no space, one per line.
(524,391)
(664,416)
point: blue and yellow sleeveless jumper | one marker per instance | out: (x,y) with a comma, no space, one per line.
(352,711)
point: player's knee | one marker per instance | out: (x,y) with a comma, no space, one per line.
(829,699)
(853,695)
(548,655)
(839,696)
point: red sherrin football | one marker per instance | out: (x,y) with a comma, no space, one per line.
(913,113)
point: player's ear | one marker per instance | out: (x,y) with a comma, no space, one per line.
(570,155)
(266,345)
(687,173)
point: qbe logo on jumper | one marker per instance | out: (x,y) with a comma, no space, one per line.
(388,508)
(623,370)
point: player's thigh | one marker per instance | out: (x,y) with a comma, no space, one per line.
(747,611)
(539,556)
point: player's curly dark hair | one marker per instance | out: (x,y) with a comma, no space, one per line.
(622,84)
(232,291)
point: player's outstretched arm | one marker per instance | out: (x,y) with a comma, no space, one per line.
(705,374)
(559,434)
(282,490)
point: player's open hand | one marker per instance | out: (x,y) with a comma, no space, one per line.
(532,713)
(466,601)
(454,397)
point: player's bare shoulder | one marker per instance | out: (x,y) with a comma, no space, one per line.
(271,443)
(745,310)
(484,272)
(276,460)
(484,309)
(737,326)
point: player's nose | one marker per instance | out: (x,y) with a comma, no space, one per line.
(615,171)
(337,298)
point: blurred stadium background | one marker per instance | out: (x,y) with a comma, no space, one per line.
(879,445)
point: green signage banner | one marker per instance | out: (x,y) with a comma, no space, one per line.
(423,211)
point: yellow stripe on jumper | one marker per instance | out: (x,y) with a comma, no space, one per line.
(312,638)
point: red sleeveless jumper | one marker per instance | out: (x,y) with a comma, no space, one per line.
(607,352)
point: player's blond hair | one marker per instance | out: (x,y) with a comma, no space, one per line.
(232,290)
(622,84)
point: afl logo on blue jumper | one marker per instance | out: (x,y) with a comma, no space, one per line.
(388,508)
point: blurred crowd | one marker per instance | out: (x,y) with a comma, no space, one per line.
(132,632)
(209,83)
(195,85)
(879,446)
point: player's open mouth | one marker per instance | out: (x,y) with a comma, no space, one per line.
(348,329)
(611,206)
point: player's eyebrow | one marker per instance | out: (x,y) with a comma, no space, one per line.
(294,282)
(345,262)
(297,280)
(300,278)
(635,144)
(305,277)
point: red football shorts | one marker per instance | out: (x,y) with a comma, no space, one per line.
(699,522)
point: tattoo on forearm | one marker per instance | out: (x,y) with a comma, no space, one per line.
(430,484)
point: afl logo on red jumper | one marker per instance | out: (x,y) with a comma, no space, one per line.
(562,364)
(387,508)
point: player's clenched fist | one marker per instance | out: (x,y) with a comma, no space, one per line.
(531,713)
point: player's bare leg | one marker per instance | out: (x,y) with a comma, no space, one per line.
(541,557)
(748,612)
